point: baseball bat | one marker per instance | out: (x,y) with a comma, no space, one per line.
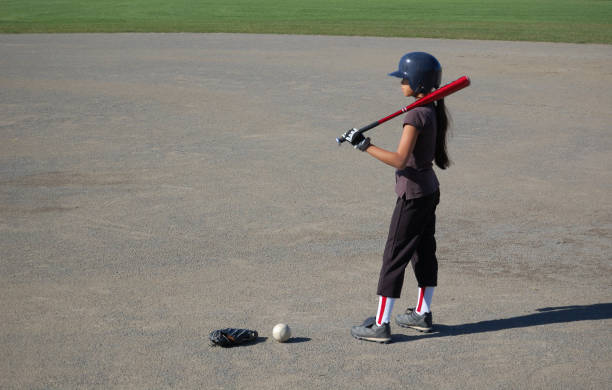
(438,94)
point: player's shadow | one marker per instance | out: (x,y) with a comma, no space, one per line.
(543,316)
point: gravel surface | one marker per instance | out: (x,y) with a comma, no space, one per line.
(154,187)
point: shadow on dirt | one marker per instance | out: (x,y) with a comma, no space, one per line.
(296,340)
(543,316)
(258,340)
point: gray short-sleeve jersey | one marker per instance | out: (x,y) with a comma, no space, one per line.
(418,179)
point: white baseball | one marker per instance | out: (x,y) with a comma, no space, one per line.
(281,332)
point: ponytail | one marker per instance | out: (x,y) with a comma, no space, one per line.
(442,117)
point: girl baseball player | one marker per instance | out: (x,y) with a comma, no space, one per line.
(411,234)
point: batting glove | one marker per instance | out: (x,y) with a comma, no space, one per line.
(363,145)
(353,137)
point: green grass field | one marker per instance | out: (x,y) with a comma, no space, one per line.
(583,21)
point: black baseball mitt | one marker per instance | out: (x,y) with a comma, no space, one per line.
(230,337)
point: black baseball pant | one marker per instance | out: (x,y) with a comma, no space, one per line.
(411,240)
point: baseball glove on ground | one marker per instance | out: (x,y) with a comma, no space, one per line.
(230,337)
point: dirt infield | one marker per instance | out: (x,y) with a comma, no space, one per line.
(154,187)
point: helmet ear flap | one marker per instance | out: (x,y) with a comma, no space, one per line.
(419,89)
(414,86)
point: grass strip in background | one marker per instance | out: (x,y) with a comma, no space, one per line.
(580,21)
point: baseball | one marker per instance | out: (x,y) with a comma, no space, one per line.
(281,332)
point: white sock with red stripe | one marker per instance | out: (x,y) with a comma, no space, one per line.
(424,300)
(385,306)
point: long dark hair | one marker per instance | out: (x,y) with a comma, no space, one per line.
(443,119)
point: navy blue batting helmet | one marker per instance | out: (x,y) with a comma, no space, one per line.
(422,71)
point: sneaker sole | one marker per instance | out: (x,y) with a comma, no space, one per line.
(419,328)
(380,341)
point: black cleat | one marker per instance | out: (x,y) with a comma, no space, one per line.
(369,331)
(420,322)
